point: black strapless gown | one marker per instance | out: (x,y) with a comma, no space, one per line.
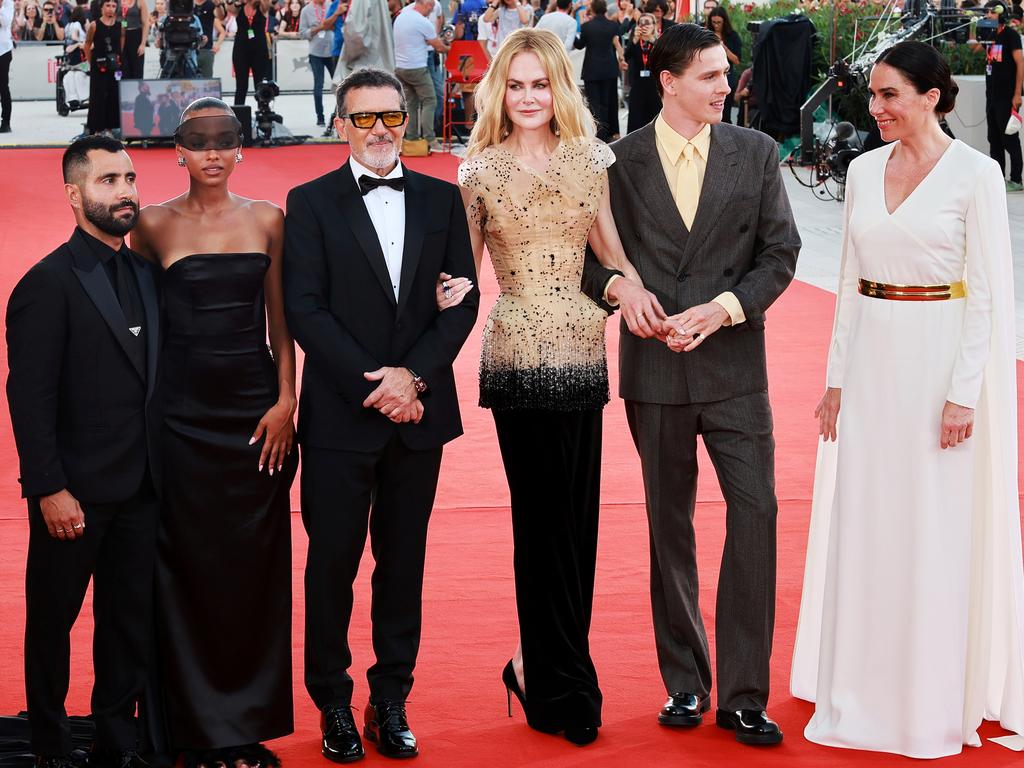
(224,564)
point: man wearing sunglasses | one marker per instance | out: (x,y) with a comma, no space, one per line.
(364,245)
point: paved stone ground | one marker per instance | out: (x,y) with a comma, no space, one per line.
(37,123)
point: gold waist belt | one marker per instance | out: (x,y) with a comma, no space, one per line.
(912,292)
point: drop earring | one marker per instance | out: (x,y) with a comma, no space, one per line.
(238,157)
(181,161)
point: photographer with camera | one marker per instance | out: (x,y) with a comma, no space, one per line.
(50,30)
(1004,77)
(103,45)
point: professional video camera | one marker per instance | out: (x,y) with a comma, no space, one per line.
(180,37)
(266,92)
(919,19)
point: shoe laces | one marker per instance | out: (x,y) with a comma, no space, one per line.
(339,720)
(392,714)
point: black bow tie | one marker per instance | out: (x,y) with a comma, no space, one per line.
(368,183)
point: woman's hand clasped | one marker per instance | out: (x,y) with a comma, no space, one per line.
(957,424)
(827,413)
(451,290)
(279,429)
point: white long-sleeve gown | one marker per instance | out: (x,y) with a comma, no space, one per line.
(912,615)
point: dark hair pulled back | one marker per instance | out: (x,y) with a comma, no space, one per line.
(925,68)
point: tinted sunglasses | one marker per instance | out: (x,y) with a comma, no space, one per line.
(391,119)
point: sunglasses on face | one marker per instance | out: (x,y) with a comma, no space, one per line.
(365,120)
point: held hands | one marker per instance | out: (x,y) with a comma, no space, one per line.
(279,429)
(827,413)
(451,290)
(957,424)
(395,396)
(687,330)
(640,308)
(63,516)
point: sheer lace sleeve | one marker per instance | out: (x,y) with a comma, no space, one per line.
(470,178)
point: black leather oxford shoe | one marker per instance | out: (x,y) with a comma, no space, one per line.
(385,724)
(341,737)
(684,709)
(752,726)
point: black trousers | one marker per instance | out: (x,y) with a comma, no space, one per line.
(738,436)
(117,551)
(603,98)
(132,63)
(391,491)
(553,465)
(5,87)
(244,61)
(104,111)
(997,114)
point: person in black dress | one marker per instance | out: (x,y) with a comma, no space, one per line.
(223,579)
(103,44)
(718,22)
(250,51)
(644,99)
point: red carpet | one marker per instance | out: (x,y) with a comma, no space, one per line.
(458,705)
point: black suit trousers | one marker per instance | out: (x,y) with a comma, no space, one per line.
(553,465)
(391,491)
(737,433)
(117,552)
(997,113)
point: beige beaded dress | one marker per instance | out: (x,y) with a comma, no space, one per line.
(543,375)
(543,344)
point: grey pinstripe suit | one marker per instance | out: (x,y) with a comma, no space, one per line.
(743,240)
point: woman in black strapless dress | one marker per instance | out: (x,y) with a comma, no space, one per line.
(224,562)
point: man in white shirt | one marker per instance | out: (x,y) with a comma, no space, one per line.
(561,23)
(415,37)
(6,54)
(364,245)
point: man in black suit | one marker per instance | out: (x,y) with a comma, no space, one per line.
(364,246)
(82,343)
(600,38)
(701,209)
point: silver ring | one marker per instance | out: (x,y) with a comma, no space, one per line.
(447,293)
(445,287)
(78,525)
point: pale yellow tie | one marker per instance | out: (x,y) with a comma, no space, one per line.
(687,186)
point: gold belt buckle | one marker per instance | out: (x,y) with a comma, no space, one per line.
(895,292)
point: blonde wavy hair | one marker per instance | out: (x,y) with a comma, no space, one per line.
(572,120)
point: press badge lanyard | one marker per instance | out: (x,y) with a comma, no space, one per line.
(645,54)
(250,15)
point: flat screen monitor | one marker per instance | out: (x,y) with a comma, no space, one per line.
(151,109)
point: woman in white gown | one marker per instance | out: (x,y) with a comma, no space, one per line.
(912,614)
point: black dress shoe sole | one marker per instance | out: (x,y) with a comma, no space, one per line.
(342,758)
(680,721)
(754,739)
(372,737)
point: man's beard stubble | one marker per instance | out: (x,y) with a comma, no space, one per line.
(381,154)
(104,219)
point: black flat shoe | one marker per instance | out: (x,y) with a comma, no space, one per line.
(386,725)
(341,742)
(752,726)
(684,710)
(581,735)
(508,677)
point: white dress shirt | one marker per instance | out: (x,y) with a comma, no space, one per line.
(386,207)
(6,21)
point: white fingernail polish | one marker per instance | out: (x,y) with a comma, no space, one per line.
(252,440)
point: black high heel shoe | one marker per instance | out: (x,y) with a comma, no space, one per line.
(508,677)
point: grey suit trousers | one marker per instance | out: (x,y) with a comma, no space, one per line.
(738,435)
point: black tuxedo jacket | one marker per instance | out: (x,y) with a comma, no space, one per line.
(342,310)
(78,402)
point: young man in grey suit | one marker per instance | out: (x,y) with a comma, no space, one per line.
(711,233)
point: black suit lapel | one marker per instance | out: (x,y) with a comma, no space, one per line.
(719,181)
(89,271)
(648,177)
(147,289)
(359,222)
(415,223)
